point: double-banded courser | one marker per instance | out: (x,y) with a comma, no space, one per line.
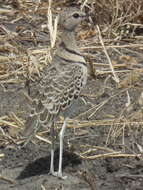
(60,84)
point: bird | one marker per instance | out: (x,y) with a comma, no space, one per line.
(60,85)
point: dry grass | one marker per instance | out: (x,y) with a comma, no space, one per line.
(27,35)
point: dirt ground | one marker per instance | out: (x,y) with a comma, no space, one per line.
(103,146)
(28,167)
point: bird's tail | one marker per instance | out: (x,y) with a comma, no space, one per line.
(31,126)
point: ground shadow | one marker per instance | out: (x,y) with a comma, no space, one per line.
(42,165)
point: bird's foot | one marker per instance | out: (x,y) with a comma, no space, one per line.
(58,174)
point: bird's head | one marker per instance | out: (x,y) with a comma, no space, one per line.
(70,18)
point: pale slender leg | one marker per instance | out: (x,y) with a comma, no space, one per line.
(61,135)
(52,150)
(52,162)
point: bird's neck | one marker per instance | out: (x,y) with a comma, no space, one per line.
(68,49)
(68,54)
(68,37)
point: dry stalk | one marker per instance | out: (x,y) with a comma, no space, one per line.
(7,179)
(16,119)
(95,108)
(110,155)
(7,123)
(113,46)
(52,28)
(42,187)
(2,155)
(84,4)
(43,139)
(108,58)
(99,123)
(92,148)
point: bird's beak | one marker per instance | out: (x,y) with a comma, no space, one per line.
(83,15)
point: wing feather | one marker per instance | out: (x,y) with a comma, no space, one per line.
(56,92)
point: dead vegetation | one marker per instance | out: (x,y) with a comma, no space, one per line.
(112,43)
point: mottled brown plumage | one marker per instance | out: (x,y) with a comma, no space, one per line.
(60,84)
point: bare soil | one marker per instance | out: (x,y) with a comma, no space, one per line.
(27,168)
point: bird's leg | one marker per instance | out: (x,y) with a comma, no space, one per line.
(52,150)
(61,136)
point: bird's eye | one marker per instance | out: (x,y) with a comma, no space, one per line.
(76,15)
